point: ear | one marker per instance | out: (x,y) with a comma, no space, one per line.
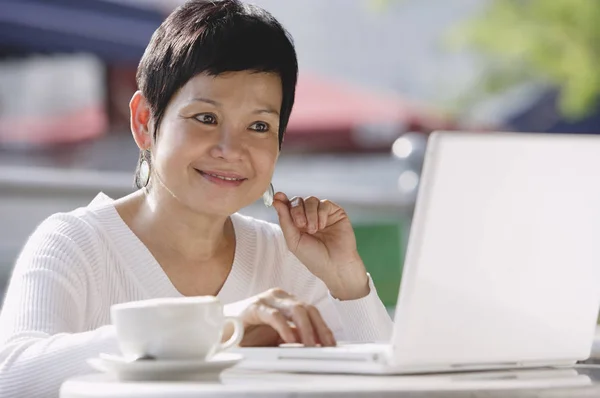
(140,121)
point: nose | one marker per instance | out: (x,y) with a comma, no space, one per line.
(229,146)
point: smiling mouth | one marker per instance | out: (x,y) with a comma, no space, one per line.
(221,177)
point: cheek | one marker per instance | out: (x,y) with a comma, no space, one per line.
(175,141)
(264,159)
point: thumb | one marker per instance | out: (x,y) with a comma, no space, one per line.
(281,204)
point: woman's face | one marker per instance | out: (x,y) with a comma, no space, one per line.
(217,144)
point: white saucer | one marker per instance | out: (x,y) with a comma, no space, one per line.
(164,370)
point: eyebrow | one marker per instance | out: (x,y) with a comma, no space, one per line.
(207,100)
(268,109)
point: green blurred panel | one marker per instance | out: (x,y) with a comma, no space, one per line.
(380,246)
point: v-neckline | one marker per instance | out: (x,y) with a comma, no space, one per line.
(139,260)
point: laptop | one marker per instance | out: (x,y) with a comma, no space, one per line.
(502,268)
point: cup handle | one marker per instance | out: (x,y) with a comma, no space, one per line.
(238,333)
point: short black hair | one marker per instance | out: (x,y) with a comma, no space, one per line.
(215,37)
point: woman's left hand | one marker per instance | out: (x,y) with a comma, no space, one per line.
(320,235)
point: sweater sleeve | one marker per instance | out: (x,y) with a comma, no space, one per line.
(364,320)
(42,342)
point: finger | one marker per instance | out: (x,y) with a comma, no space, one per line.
(282,207)
(296,332)
(311,211)
(261,336)
(274,318)
(323,332)
(298,212)
(325,208)
(335,212)
(300,317)
(280,196)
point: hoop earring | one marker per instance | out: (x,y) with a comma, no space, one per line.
(144,172)
(268,196)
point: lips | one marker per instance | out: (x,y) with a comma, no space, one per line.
(222,178)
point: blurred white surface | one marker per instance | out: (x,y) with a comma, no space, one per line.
(238,383)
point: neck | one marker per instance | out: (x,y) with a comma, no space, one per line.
(162,222)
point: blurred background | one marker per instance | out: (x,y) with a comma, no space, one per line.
(376,77)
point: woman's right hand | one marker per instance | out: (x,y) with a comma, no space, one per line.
(276,317)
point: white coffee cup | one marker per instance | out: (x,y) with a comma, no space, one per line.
(173,328)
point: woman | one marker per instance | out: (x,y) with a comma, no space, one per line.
(217,86)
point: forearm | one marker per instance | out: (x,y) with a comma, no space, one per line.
(353,286)
(35,366)
(350,282)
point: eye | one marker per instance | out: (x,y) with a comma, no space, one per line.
(260,127)
(206,118)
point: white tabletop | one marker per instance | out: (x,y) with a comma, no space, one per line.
(581,380)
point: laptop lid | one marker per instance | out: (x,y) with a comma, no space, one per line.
(503,259)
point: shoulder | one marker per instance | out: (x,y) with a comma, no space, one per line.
(79,226)
(73,235)
(74,226)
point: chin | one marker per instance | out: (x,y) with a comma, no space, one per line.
(218,201)
(213,207)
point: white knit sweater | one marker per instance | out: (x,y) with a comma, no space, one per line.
(76,265)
